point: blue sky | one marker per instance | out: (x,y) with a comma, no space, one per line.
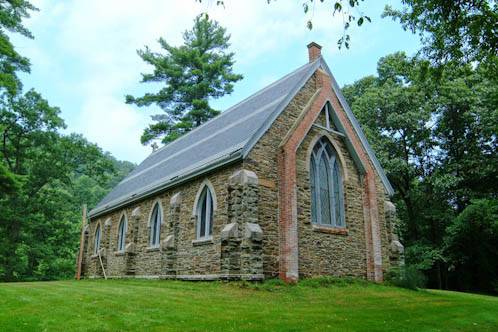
(84,54)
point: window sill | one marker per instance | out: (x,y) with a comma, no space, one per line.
(119,253)
(330,230)
(203,241)
(152,249)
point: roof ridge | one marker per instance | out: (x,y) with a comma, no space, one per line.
(213,134)
(260,91)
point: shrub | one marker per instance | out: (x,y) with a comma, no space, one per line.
(471,247)
(406,276)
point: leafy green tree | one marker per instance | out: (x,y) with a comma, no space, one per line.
(192,74)
(9,183)
(434,130)
(394,111)
(12,13)
(44,176)
(47,176)
(27,121)
(467,114)
(471,247)
(452,30)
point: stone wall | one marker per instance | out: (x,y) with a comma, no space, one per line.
(320,251)
(180,254)
(263,161)
(340,252)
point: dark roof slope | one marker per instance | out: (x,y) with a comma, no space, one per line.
(224,139)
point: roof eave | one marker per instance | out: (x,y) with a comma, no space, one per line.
(168,184)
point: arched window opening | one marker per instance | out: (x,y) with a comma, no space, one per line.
(155,226)
(96,245)
(123,225)
(327,198)
(205,214)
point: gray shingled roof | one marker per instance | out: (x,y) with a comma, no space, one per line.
(224,139)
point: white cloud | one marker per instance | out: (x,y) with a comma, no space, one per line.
(114,125)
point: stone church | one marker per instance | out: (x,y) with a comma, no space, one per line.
(284,183)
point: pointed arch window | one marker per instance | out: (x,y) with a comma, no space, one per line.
(123,225)
(96,245)
(155,226)
(204,214)
(327,198)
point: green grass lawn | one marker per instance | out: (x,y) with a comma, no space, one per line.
(144,305)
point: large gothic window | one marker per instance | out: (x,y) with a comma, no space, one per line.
(327,201)
(155,226)
(205,214)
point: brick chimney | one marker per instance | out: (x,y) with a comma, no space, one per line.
(314,51)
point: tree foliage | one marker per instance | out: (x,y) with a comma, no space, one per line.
(462,31)
(45,177)
(348,10)
(470,247)
(12,12)
(191,74)
(434,130)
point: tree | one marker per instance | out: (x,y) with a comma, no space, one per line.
(434,130)
(466,130)
(461,31)
(394,111)
(45,177)
(11,14)
(470,246)
(192,73)
(9,183)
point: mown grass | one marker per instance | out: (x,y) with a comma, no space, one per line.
(313,305)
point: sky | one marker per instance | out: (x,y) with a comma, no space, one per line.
(84,56)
